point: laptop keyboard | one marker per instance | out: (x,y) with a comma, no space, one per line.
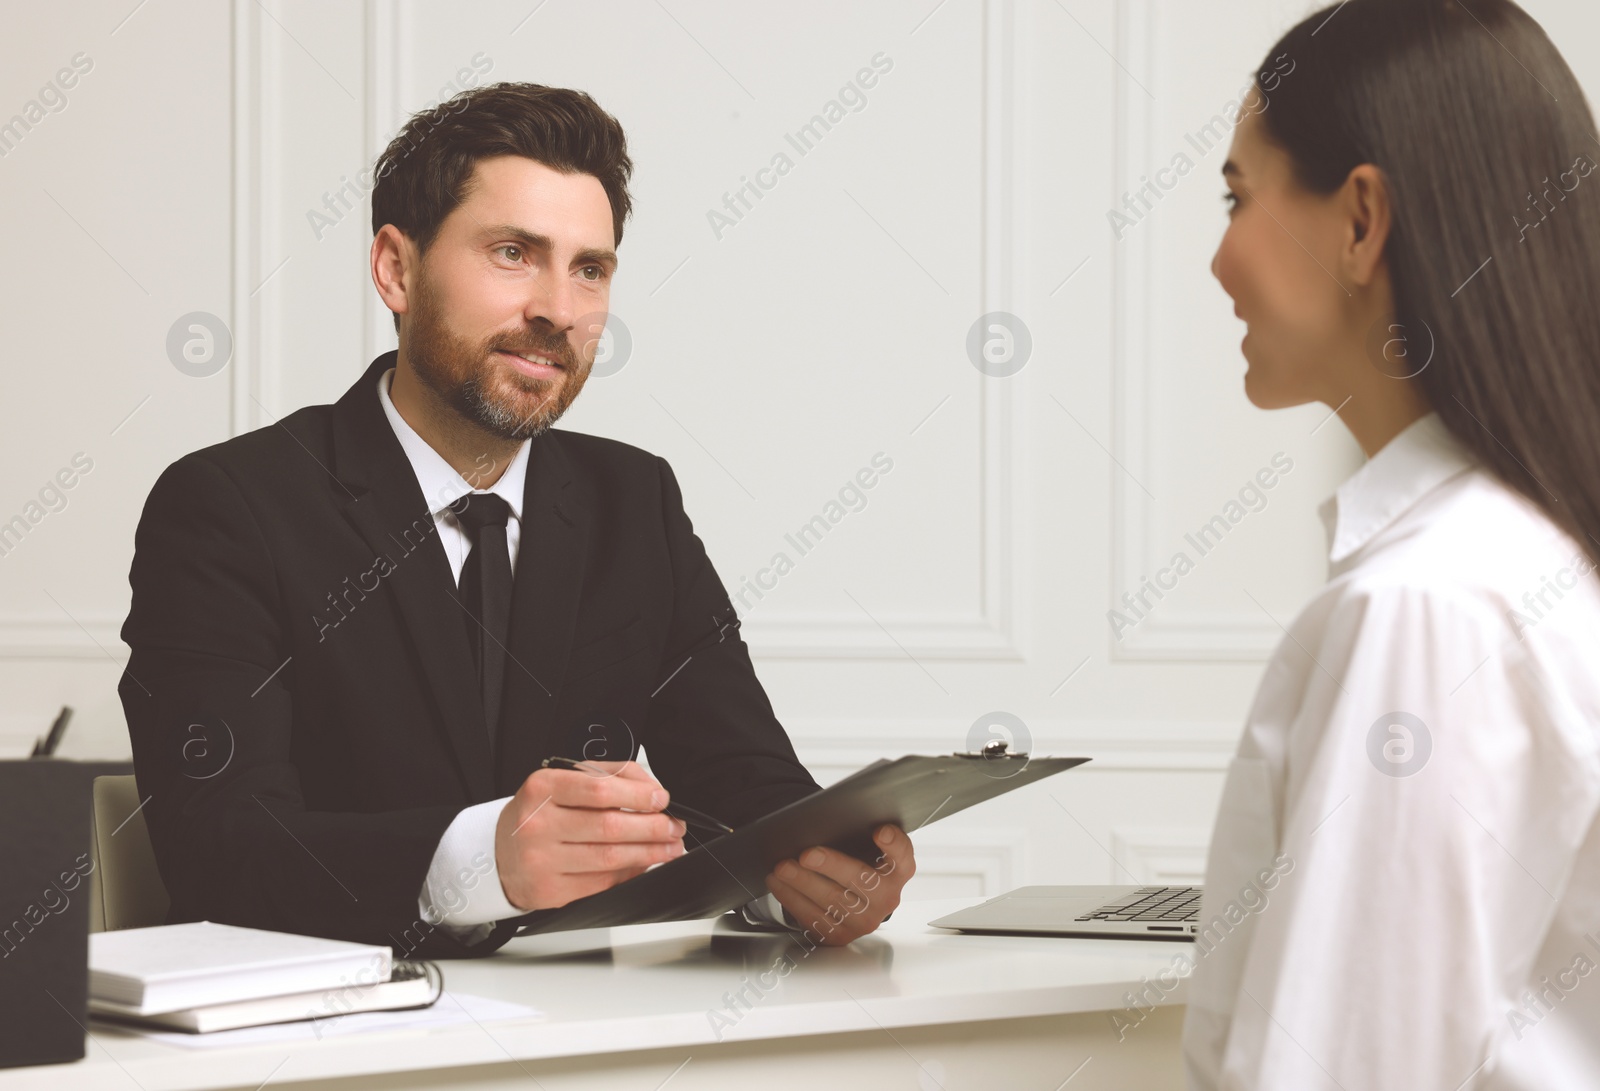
(1152,903)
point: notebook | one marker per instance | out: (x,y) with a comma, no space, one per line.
(173,967)
(411,985)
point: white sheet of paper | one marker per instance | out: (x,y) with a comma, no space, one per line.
(451,1008)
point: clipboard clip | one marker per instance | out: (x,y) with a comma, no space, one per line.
(994,748)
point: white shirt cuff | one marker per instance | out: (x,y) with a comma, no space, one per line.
(766,910)
(462,892)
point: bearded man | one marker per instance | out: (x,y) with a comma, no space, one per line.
(358,632)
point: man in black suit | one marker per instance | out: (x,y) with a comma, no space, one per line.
(358,631)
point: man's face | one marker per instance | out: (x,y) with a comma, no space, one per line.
(509,303)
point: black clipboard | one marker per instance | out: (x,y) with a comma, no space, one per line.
(723,873)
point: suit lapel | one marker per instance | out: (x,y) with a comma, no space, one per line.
(385,504)
(551,559)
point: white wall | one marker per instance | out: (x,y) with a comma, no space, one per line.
(771,359)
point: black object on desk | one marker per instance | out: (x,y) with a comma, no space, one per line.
(47,745)
(45,864)
(726,872)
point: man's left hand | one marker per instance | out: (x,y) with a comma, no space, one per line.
(837,898)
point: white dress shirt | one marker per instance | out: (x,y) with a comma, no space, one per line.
(1403,888)
(462,892)
(462,897)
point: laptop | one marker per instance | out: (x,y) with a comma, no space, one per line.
(1118,912)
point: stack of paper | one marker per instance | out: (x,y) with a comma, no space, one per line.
(204,976)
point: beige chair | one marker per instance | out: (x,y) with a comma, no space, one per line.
(127,891)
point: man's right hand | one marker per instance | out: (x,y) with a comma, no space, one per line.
(567,833)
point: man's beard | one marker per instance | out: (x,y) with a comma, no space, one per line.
(490,393)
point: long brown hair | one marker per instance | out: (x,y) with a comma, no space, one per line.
(1486,144)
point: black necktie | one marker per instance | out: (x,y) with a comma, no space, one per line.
(486,594)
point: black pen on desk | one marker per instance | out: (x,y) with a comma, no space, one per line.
(688,815)
(46,746)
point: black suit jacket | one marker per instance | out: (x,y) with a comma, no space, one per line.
(302,700)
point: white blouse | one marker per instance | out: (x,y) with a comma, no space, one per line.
(1403,888)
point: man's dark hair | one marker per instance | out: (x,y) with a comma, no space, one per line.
(427,168)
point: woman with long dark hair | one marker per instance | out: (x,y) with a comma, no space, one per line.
(1404,882)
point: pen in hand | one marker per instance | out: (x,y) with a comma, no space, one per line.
(688,815)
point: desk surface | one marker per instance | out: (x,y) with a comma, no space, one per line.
(656,985)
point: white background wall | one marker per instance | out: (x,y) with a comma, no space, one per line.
(769,364)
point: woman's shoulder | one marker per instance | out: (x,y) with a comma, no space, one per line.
(1476,547)
(1475,603)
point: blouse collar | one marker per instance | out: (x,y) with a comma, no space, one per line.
(1410,466)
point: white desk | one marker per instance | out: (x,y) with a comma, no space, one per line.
(910,1007)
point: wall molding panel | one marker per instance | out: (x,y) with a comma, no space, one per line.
(53,636)
(1166,635)
(1165,856)
(991,634)
(832,747)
